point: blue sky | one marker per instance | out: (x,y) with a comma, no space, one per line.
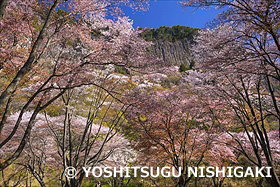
(170,13)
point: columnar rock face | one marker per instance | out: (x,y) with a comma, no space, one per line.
(171,44)
(172,53)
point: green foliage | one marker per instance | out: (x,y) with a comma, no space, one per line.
(121,70)
(36,24)
(192,63)
(183,68)
(175,79)
(54,110)
(88,183)
(171,34)
(170,81)
(132,182)
(128,132)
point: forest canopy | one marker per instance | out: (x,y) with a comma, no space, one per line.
(171,34)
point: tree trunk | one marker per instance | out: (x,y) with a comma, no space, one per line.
(274,180)
(32,57)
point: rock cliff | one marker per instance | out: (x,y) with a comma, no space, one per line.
(171,44)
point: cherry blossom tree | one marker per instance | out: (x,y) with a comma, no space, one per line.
(175,128)
(239,63)
(71,140)
(48,47)
(251,27)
